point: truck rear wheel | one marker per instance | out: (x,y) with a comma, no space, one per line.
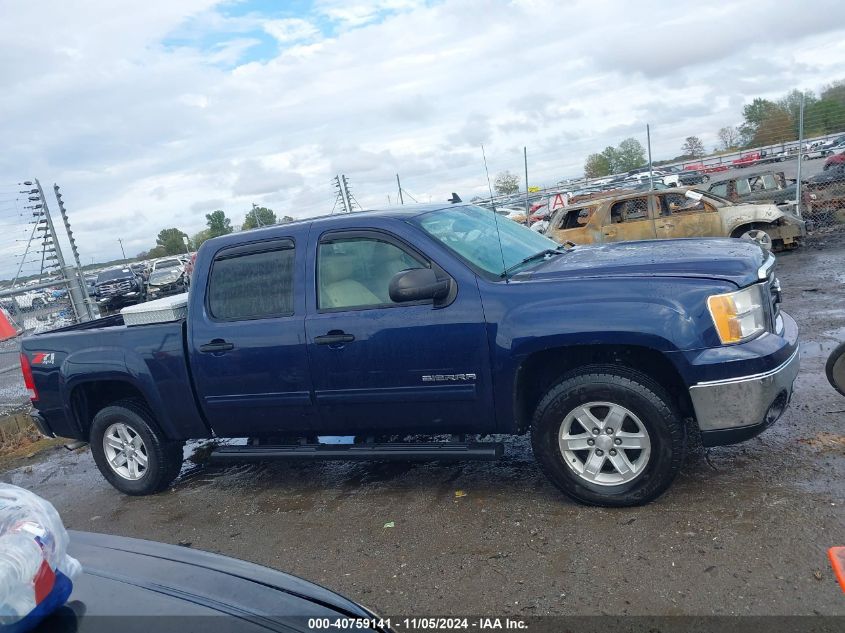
(131,452)
(608,436)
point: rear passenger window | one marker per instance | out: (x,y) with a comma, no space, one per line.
(252,285)
(629,210)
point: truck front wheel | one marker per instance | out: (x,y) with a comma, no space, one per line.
(608,436)
(131,452)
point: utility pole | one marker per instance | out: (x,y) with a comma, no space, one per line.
(255,214)
(399,184)
(800,157)
(650,172)
(527,206)
(121,248)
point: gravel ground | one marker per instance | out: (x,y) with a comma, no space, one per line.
(744,529)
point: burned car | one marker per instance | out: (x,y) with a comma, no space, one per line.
(673,213)
(769,186)
(167,278)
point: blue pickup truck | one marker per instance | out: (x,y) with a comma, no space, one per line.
(423,331)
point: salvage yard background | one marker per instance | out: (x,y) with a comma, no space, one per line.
(744,530)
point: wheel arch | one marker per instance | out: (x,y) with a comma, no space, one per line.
(542,369)
(89,398)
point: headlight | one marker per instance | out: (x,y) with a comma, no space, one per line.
(738,315)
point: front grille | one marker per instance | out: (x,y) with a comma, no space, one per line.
(112,288)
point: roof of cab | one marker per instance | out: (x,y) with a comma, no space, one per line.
(398,213)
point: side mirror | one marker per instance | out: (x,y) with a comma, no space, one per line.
(417,284)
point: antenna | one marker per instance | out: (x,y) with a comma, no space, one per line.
(495,215)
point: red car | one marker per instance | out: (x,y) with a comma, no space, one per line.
(705,169)
(835,159)
(748,159)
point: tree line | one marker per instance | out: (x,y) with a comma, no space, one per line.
(171,241)
(764,122)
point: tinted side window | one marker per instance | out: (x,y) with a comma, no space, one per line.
(252,286)
(356,272)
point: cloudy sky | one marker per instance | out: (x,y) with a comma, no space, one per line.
(151,114)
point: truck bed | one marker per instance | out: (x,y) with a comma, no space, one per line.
(146,361)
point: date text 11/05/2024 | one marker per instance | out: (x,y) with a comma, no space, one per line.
(423,623)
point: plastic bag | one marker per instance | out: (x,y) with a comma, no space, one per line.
(35,571)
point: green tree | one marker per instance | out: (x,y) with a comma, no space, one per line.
(169,242)
(218,224)
(611,155)
(693,147)
(834,92)
(596,166)
(506,183)
(286,219)
(630,155)
(199,238)
(258,216)
(824,117)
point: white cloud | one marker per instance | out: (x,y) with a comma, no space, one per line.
(290,30)
(139,133)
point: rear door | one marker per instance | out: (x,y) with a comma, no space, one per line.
(629,219)
(677,215)
(247,342)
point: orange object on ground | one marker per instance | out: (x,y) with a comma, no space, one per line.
(8,329)
(837,561)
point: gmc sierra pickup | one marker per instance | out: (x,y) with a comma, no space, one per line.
(447,322)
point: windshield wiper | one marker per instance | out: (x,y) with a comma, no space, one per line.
(541,255)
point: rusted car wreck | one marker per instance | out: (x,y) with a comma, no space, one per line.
(672,213)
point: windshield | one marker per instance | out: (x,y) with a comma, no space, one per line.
(470,232)
(168,263)
(114,273)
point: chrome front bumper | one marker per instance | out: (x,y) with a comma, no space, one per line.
(745,401)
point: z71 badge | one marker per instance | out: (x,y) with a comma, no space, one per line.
(44,358)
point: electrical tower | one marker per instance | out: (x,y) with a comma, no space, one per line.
(89,306)
(344,195)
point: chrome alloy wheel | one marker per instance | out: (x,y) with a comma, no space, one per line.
(125,451)
(604,443)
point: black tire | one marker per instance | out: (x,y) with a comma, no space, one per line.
(640,395)
(835,368)
(164,457)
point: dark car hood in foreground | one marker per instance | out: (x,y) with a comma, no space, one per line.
(125,582)
(725,259)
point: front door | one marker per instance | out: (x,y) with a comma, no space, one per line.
(677,215)
(247,345)
(629,219)
(384,367)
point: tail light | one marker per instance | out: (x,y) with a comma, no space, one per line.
(28,381)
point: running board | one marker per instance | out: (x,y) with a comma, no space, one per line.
(396,451)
